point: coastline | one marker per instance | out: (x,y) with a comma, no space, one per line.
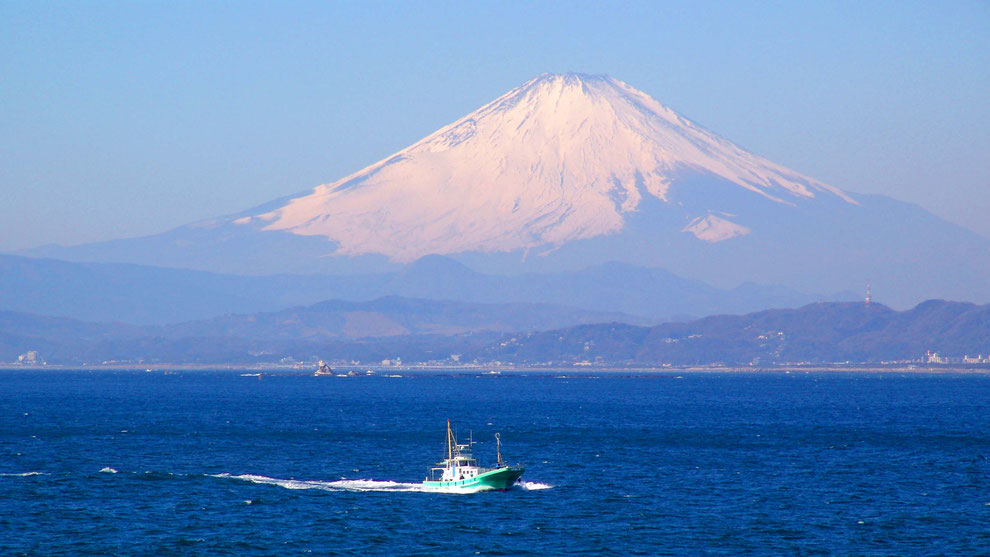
(478,369)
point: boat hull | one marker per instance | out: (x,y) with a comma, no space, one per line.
(500,479)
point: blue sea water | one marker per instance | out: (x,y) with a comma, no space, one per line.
(105,462)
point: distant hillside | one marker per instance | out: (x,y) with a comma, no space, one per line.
(425,331)
(828,332)
(148,295)
(388,317)
(300,332)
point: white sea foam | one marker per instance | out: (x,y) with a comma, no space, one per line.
(108,470)
(22,474)
(361,485)
(340,485)
(534,486)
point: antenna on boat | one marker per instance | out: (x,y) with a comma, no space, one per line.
(498,450)
(450,435)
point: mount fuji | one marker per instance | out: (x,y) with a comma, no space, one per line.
(571,170)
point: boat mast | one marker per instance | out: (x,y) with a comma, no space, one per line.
(450,448)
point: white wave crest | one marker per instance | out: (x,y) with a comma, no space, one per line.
(108,470)
(21,474)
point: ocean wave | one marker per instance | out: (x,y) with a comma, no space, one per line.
(21,474)
(108,470)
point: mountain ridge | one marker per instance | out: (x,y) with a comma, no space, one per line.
(816,334)
(568,171)
(155,295)
(560,158)
(60,339)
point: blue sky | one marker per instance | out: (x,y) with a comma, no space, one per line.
(130,118)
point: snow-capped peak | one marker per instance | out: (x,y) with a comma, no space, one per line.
(560,158)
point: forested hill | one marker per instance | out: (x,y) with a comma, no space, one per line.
(824,332)
(418,331)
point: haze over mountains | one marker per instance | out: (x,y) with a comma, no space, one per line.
(145,295)
(445,333)
(570,171)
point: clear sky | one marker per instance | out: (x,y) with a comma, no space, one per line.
(129,118)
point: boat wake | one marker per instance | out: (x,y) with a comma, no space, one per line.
(362,485)
(340,485)
(533,486)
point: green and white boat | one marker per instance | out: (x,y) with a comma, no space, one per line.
(459,471)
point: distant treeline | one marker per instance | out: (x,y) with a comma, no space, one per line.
(436,332)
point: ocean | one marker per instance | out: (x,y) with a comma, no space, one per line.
(201,462)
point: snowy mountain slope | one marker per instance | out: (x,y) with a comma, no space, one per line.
(561,158)
(571,171)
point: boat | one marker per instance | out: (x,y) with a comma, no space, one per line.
(459,471)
